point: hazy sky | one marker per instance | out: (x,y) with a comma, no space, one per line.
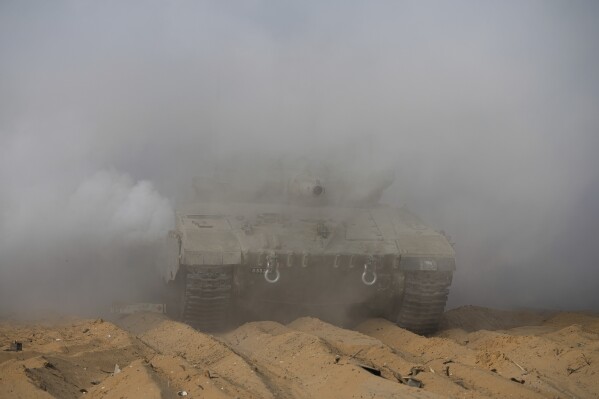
(488,112)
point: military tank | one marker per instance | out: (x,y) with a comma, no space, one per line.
(308,241)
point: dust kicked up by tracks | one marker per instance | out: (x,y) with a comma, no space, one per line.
(478,353)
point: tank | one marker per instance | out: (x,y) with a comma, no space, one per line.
(310,243)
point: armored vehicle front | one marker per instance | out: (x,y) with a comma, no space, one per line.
(306,242)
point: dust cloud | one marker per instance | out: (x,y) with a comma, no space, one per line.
(485,112)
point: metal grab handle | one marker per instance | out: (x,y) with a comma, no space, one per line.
(366,272)
(274,280)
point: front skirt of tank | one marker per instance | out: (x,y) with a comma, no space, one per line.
(336,294)
(339,288)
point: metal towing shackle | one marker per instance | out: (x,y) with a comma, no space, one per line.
(272,265)
(369,269)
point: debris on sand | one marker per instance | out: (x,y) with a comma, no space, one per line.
(15,346)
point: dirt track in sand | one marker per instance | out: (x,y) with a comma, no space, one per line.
(478,353)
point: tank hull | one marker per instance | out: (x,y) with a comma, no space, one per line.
(246,261)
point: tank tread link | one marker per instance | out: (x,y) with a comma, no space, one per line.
(424,298)
(208,296)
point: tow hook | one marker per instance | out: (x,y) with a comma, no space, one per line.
(369,276)
(272,267)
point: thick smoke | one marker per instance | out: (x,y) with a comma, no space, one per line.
(82,249)
(486,113)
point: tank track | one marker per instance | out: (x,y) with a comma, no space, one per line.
(424,298)
(208,297)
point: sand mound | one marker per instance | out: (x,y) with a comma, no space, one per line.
(136,380)
(588,322)
(473,318)
(222,367)
(314,363)
(481,353)
(63,361)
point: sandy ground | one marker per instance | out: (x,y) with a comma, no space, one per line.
(478,353)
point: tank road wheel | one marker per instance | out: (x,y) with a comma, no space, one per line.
(208,297)
(424,297)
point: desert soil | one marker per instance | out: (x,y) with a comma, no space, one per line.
(477,353)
